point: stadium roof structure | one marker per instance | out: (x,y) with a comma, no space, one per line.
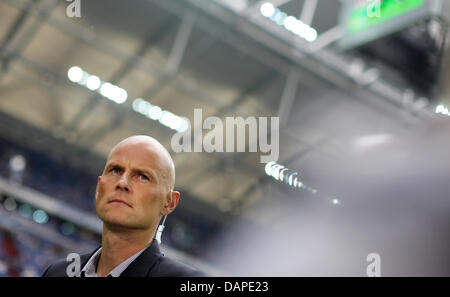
(225,57)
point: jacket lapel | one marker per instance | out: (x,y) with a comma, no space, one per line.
(85,258)
(145,262)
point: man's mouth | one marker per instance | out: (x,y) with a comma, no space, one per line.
(120,201)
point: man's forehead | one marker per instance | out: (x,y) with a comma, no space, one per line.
(146,152)
(140,152)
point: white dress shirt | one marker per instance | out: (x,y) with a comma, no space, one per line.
(89,270)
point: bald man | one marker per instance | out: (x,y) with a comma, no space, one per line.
(135,190)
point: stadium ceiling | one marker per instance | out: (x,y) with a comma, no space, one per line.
(224,57)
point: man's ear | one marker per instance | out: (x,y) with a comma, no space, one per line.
(96,190)
(171,203)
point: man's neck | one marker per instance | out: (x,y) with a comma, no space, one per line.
(119,245)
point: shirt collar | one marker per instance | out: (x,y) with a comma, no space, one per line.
(90,269)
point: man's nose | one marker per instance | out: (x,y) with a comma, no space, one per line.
(123,183)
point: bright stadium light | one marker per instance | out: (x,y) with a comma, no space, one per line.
(286,176)
(75,74)
(93,82)
(120,95)
(268,168)
(141,106)
(107,90)
(184,125)
(10,204)
(290,23)
(175,122)
(439,108)
(279,17)
(294,183)
(137,103)
(115,94)
(170,120)
(17,163)
(267,9)
(40,216)
(311,34)
(442,109)
(283,175)
(25,210)
(166,118)
(155,112)
(276,171)
(292,178)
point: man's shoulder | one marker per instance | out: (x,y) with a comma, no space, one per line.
(169,267)
(150,263)
(60,268)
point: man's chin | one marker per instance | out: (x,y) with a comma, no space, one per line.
(117,225)
(114,219)
(120,223)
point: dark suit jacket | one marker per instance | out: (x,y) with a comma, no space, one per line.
(150,263)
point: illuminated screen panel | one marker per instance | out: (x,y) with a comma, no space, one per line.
(366,14)
(368,20)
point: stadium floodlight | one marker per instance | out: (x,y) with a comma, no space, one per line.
(290,23)
(17,163)
(25,210)
(138,105)
(283,175)
(439,108)
(114,94)
(165,118)
(287,176)
(268,167)
(121,95)
(106,89)
(442,109)
(310,34)
(75,74)
(175,122)
(267,9)
(93,82)
(40,216)
(276,171)
(292,179)
(10,204)
(155,112)
(184,125)
(170,120)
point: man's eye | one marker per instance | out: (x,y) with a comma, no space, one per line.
(144,177)
(115,170)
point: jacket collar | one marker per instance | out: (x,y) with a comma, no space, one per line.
(141,265)
(85,258)
(145,262)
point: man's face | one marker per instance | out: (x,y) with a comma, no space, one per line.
(132,189)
